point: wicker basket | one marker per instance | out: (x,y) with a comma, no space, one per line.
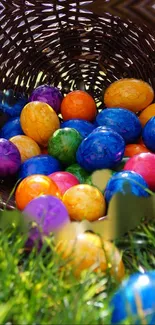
(58,43)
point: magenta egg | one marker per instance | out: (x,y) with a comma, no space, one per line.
(10,159)
(64,180)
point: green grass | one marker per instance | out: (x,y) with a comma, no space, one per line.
(34,291)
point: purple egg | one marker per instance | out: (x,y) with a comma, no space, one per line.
(48,212)
(47,94)
(10,159)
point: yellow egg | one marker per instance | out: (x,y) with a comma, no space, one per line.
(27,147)
(84,202)
(87,251)
(130,93)
(39,121)
(147,114)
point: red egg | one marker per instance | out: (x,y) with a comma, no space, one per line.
(64,180)
(143,164)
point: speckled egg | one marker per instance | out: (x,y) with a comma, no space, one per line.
(27,147)
(64,180)
(117,182)
(39,121)
(148,134)
(79,172)
(84,202)
(47,94)
(101,149)
(11,128)
(48,212)
(10,159)
(64,144)
(83,127)
(122,121)
(143,164)
(42,164)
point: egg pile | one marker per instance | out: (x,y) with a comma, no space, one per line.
(54,145)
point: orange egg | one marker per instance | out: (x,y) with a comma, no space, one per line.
(141,142)
(147,114)
(39,121)
(78,105)
(87,251)
(32,187)
(131,94)
(84,202)
(27,147)
(134,149)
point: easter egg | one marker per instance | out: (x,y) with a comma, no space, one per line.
(47,94)
(102,149)
(27,147)
(64,180)
(147,114)
(78,105)
(12,102)
(11,128)
(122,121)
(32,187)
(80,173)
(84,202)
(64,144)
(117,183)
(42,164)
(129,93)
(10,158)
(83,127)
(39,121)
(48,212)
(89,252)
(148,134)
(135,299)
(143,164)
(134,149)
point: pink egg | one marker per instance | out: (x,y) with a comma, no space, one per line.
(64,180)
(143,164)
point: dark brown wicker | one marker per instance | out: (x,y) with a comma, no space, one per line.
(58,43)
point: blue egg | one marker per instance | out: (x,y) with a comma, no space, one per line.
(134,298)
(102,149)
(124,122)
(148,134)
(118,180)
(12,103)
(11,129)
(42,164)
(83,127)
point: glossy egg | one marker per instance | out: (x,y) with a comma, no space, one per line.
(78,105)
(11,128)
(143,164)
(148,134)
(48,212)
(101,149)
(83,127)
(135,299)
(32,187)
(27,147)
(122,121)
(64,144)
(89,252)
(80,173)
(42,164)
(129,93)
(84,202)
(64,180)
(118,182)
(47,94)
(147,114)
(39,121)
(134,149)
(10,159)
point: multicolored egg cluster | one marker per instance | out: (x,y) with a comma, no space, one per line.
(55,144)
